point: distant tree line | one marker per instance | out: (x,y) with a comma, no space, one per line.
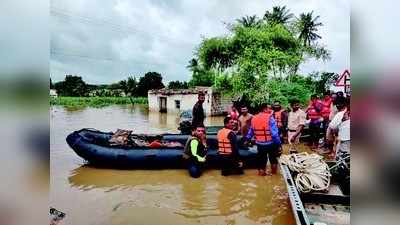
(75,86)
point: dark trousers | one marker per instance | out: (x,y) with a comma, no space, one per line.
(315,130)
(325,125)
(230,165)
(266,152)
(195,168)
(282,133)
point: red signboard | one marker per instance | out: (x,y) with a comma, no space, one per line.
(344,79)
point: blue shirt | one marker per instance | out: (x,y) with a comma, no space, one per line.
(274,133)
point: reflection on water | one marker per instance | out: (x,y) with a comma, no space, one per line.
(104,196)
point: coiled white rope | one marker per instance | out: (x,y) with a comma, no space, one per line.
(313,172)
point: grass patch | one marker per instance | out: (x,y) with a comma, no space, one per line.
(96,101)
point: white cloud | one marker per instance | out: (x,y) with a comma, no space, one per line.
(120,38)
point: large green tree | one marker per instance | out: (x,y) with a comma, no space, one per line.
(178,85)
(151,80)
(259,60)
(129,86)
(201,76)
(322,80)
(72,86)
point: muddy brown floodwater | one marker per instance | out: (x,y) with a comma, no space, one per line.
(145,197)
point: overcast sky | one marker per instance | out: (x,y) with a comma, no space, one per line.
(107,41)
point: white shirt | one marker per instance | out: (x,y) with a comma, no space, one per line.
(342,126)
(296,118)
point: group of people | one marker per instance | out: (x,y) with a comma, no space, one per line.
(268,129)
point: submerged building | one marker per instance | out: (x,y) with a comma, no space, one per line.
(178,100)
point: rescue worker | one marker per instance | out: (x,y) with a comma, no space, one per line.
(228,150)
(234,114)
(314,115)
(325,113)
(269,109)
(280,117)
(198,111)
(195,151)
(265,130)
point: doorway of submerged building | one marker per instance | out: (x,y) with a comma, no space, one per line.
(163,104)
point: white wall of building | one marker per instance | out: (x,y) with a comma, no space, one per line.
(187,101)
(153,102)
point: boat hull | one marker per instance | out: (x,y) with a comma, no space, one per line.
(91,145)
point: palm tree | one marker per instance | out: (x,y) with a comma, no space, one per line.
(193,64)
(279,15)
(308,27)
(249,21)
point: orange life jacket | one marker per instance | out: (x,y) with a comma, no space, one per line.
(313,114)
(260,124)
(326,108)
(234,115)
(224,144)
(278,118)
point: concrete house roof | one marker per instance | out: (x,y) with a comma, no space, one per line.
(166,91)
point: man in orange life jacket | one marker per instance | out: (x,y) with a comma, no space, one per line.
(314,115)
(195,151)
(265,130)
(228,150)
(280,117)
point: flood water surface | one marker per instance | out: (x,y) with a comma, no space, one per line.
(126,197)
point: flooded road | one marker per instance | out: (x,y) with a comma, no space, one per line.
(145,197)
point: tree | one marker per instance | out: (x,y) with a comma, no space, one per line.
(129,86)
(323,80)
(249,21)
(216,53)
(178,85)
(279,15)
(308,27)
(193,65)
(72,86)
(200,75)
(259,62)
(203,77)
(51,84)
(151,80)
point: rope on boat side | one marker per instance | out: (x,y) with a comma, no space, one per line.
(312,171)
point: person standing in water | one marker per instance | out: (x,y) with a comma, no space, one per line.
(198,111)
(280,116)
(195,151)
(265,130)
(228,150)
